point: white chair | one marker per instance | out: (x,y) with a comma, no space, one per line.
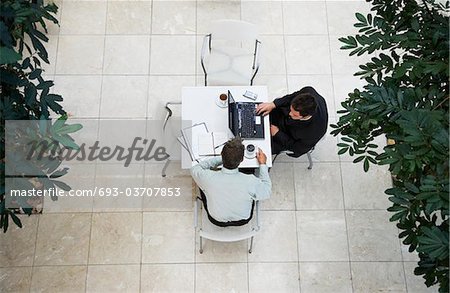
(292,154)
(207,230)
(230,53)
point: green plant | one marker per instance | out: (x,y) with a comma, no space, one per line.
(26,95)
(406,98)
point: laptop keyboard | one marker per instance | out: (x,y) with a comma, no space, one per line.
(247,112)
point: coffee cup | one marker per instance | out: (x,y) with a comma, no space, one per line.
(250,150)
(223,99)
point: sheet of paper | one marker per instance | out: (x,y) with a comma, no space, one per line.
(257,119)
(211,143)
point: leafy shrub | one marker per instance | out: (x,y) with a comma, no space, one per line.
(26,94)
(406,98)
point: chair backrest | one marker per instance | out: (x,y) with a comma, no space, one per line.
(237,30)
(225,234)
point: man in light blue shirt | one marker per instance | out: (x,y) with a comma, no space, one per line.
(230,193)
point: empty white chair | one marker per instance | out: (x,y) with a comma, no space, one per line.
(230,53)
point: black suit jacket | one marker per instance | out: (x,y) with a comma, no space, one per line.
(298,136)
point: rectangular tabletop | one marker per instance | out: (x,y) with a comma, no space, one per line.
(199,104)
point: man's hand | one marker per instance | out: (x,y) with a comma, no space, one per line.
(273,130)
(265,108)
(261,157)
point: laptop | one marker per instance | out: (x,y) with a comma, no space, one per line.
(243,120)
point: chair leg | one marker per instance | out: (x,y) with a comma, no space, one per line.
(201,245)
(310,160)
(163,172)
(168,115)
(273,160)
(251,245)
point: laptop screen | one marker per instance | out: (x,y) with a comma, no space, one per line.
(231,112)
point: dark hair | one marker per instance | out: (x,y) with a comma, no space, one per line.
(232,153)
(305,104)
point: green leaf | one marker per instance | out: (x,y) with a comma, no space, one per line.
(35,74)
(359,159)
(361,18)
(62,185)
(16,220)
(366,165)
(66,141)
(346,139)
(8,55)
(411,187)
(342,151)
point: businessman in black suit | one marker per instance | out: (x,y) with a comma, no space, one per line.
(297,121)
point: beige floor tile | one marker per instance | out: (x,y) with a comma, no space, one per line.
(323,84)
(307,55)
(209,11)
(341,16)
(368,191)
(302,18)
(266,15)
(272,55)
(167,278)
(325,277)
(92,21)
(63,239)
(113,101)
(408,256)
(59,279)
(177,181)
(372,237)
(226,277)
(283,192)
(319,188)
(17,245)
(160,93)
(343,85)
(322,236)
(129,18)
(325,150)
(113,278)
(122,132)
(378,277)
(87,135)
(80,178)
(179,187)
(218,252)
(168,237)
(80,55)
(276,84)
(127,55)
(174,17)
(15,279)
(416,284)
(277,240)
(81,94)
(123,182)
(273,277)
(172,55)
(341,62)
(116,238)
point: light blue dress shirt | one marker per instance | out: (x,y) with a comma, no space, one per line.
(230,193)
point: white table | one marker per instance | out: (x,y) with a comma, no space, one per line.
(198,104)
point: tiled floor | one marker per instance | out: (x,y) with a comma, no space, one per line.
(324,230)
